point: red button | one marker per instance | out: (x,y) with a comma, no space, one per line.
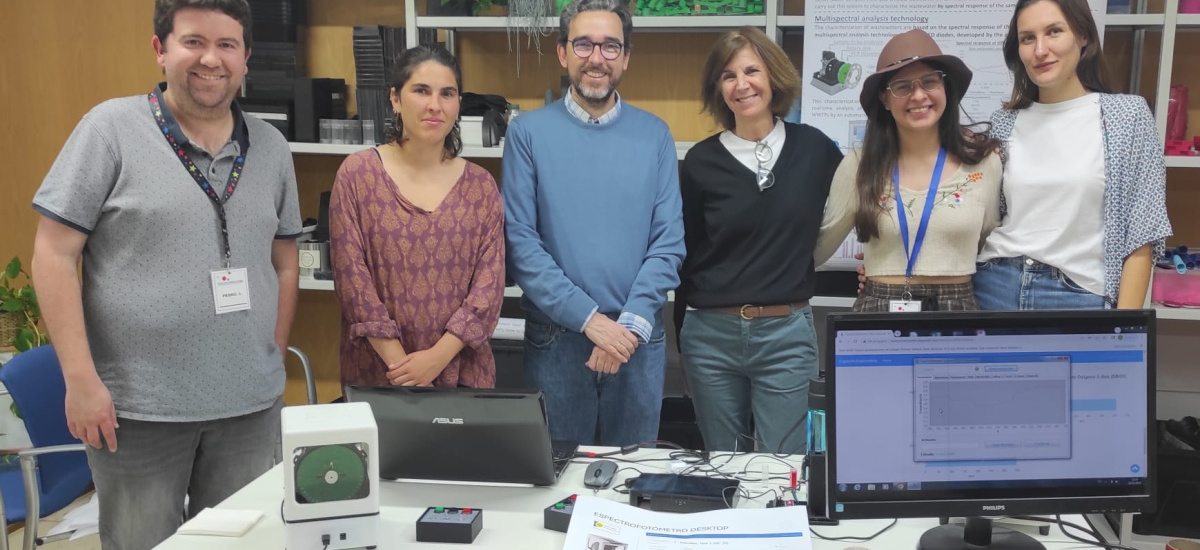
(466,510)
(573,497)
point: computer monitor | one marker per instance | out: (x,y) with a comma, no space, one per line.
(980,414)
(462,434)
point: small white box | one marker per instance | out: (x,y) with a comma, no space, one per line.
(471,131)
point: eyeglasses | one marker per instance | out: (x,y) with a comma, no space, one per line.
(609,50)
(763,154)
(931,82)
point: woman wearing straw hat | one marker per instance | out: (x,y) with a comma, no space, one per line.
(753,197)
(923,192)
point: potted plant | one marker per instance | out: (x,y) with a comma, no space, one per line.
(19,310)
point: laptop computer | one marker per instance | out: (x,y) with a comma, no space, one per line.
(464,434)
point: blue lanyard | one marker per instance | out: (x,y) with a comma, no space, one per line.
(929,200)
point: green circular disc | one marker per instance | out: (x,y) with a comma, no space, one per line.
(842,71)
(330,473)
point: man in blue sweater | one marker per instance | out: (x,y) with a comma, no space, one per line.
(595,238)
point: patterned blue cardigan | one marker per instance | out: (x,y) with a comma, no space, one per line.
(1135,190)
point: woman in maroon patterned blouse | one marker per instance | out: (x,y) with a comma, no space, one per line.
(418,243)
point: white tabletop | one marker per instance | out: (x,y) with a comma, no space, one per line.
(512,516)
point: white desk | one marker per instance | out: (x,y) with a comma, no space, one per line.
(512,516)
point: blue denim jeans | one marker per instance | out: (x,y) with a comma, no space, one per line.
(624,406)
(737,368)
(1025,283)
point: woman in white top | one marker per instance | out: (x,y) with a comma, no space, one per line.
(923,192)
(1084,179)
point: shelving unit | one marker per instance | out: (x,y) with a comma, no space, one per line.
(1134,20)
(776,24)
(1182,162)
(1172,313)
(308,283)
(681,149)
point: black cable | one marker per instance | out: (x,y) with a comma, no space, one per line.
(854,539)
(623,488)
(1062,526)
(664,443)
(628,449)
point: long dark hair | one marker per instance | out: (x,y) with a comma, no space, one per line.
(881,151)
(405,65)
(1092,71)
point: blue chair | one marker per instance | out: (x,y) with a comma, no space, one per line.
(55,471)
(34,379)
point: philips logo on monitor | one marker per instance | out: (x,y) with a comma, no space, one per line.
(440,420)
(993,507)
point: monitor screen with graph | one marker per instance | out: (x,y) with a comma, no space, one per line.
(990,413)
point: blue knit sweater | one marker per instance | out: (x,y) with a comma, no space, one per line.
(594,217)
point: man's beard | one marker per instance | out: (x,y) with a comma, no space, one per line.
(594,96)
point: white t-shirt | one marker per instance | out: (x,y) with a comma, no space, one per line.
(1054,189)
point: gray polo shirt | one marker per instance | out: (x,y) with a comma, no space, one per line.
(153,240)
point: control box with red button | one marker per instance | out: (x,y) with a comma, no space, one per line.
(439,524)
(557,516)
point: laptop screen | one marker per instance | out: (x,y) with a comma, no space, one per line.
(460,434)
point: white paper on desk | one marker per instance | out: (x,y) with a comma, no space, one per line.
(221,522)
(600,524)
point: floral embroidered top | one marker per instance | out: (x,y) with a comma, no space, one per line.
(966,209)
(402,272)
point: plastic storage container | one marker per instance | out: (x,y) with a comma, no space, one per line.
(1176,289)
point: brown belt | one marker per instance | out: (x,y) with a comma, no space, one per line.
(753,312)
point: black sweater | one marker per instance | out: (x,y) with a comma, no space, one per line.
(750,247)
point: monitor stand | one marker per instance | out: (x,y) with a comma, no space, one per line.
(977,533)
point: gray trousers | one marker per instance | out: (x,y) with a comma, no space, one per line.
(141,487)
(738,369)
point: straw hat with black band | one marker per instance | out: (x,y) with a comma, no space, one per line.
(907,48)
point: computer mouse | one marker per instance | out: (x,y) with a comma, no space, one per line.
(599,474)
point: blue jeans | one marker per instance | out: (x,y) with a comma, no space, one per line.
(737,367)
(625,406)
(1024,283)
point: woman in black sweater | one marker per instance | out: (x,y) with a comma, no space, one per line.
(753,198)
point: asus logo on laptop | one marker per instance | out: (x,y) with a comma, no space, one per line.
(448,421)
(993,507)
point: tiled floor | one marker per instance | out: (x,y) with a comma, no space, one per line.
(90,542)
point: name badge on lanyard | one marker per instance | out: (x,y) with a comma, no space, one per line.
(231,286)
(908,302)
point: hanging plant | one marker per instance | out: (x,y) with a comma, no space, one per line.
(526,17)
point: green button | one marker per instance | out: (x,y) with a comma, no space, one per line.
(439,509)
(559,505)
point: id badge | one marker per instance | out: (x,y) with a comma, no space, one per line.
(904,305)
(231,290)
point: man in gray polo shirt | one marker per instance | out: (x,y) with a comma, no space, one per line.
(185,215)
